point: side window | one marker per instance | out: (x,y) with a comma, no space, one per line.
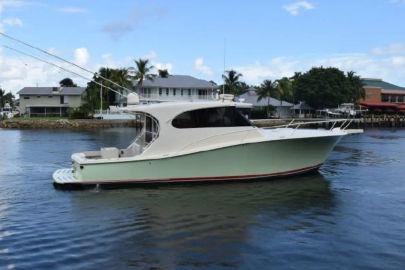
(211,117)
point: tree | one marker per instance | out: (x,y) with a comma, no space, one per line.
(356,86)
(92,97)
(6,98)
(231,82)
(284,89)
(2,93)
(163,73)
(327,87)
(143,72)
(266,90)
(67,82)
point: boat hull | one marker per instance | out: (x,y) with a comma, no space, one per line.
(240,162)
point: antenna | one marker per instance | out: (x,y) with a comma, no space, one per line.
(62,59)
(223,86)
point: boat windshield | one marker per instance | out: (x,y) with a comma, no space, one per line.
(149,131)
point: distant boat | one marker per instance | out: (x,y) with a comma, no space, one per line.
(6,111)
(202,141)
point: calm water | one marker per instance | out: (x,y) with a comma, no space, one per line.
(352,215)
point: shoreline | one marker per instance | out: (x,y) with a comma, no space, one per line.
(64,123)
(37,123)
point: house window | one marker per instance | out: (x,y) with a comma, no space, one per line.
(189,92)
(384,98)
(62,99)
(49,96)
(211,117)
(401,99)
(174,91)
(160,91)
(38,96)
(26,97)
(167,91)
(181,92)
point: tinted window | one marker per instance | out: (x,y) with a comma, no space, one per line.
(212,117)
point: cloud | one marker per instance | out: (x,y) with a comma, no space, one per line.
(296,7)
(200,67)
(119,28)
(395,48)
(72,10)
(81,56)
(12,22)
(389,67)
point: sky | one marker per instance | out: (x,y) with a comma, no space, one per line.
(260,39)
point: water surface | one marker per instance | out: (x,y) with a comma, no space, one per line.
(351,215)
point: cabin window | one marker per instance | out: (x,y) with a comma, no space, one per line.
(211,117)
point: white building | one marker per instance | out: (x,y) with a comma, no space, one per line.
(177,88)
(49,101)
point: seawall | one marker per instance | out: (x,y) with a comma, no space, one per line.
(37,123)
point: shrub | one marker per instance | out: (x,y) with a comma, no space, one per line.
(81,112)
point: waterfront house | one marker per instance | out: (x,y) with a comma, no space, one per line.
(282,108)
(49,101)
(177,88)
(382,96)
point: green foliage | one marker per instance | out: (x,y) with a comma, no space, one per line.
(92,94)
(284,89)
(143,71)
(163,73)
(327,87)
(266,90)
(82,112)
(67,82)
(232,84)
(6,98)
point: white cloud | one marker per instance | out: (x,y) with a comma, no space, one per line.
(12,22)
(72,10)
(201,67)
(81,56)
(395,48)
(296,7)
(387,66)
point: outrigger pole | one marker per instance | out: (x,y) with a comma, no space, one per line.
(64,60)
(62,68)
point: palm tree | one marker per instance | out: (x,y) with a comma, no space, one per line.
(284,89)
(142,72)
(163,73)
(356,86)
(266,90)
(231,80)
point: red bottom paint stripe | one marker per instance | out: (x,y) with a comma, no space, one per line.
(205,179)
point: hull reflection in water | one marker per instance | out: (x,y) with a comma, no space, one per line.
(203,225)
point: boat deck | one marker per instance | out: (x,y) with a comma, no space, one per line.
(64,176)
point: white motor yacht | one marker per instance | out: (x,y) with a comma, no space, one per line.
(202,141)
